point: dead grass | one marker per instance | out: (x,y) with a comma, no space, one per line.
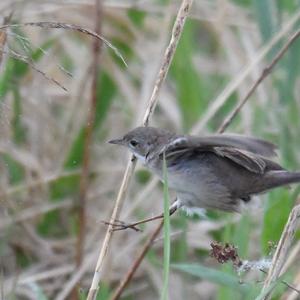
(40,122)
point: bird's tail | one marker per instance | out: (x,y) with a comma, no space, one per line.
(275,179)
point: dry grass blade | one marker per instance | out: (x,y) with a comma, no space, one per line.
(291,260)
(176,33)
(58,175)
(282,249)
(292,294)
(222,128)
(266,71)
(169,53)
(73,27)
(27,61)
(235,83)
(27,214)
(120,225)
(121,195)
(83,185)
(137,262)
(3,36)
(24,187)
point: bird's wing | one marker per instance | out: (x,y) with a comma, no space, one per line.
(248,153)
(251,162)
(250,144)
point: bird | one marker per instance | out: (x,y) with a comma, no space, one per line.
(220,172)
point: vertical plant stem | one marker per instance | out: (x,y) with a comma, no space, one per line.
(280,255)
(167,244)
(221,129)
(235,82)
(168,56)
(83,186)
(3,36)
(137,262)
(265,72)
(121,195)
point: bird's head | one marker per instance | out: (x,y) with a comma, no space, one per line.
(143,141)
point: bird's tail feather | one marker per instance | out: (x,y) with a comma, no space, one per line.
(280,178)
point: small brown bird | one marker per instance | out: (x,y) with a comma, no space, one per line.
(216,171)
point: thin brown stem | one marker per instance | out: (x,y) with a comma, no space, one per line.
(168,56)
(265,72)
(83,185)
(290,286)
(222,128)
(3,36)
(279,257)
(137,262)
(68,26)
(31,64)
(119,225)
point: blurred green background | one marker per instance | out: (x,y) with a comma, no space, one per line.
(43,130)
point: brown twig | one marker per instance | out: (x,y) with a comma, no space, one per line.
(169,53)
(221,129)
(30,63)
(240,77)
(266,71)
(168,56)
(67,26)
(120,225)
(285,283)
(280,254)
(137,262)
(121,196)
(3,36)
(83,185)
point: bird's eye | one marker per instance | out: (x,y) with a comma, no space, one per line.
(133,143)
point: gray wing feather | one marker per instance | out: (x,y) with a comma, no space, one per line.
(247,160)
(247,152)
(250,144)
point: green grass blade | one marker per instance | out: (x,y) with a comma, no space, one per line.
(16,172)
(278,208)
(191,92)
(105,92)
(213,275)
(167,248)
(269,289)
(263,10)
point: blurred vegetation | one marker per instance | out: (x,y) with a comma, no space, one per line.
(43,132)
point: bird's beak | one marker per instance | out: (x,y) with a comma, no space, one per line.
(116,141)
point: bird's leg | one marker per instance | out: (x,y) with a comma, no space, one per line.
(119,225)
